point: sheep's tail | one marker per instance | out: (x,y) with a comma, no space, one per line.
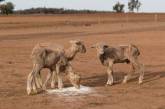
(38,54)
(134,50)
(36,47)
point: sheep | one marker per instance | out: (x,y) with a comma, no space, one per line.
(109,55)
(54,60)
(77,46)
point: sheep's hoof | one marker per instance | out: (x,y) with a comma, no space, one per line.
(32,92)
(60,87)
(108,85)
(77,86)
(29,90)
(140,82)
(38,91)
(124,82)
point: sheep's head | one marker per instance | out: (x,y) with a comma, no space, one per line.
(78,46)
(75,79)
(100,47)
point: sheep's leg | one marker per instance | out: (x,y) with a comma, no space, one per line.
(32,82)
(60,83)
(39,80)
(29,85)
(59,77)
(110,74)
(128,76)
(140,69)
(47,79)
(36,82)
(73,76)
(34,85)
(53,81)
(70,73)
(69,68)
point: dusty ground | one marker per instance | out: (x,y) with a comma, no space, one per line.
(18,35)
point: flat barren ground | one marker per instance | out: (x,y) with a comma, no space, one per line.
(19,34)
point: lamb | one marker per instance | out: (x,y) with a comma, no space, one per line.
(54,60)
(77,46)
(110,55)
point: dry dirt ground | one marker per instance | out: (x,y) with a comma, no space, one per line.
(18,35)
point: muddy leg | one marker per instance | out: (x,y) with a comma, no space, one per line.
(139,68)
(38,80)
(47,79)
(32,82)
(110,74)
(141,71)
(60,83)
(54,77)
(59,77)
(128,76)
(29,85)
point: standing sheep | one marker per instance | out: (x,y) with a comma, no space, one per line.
(129,54)
(77,46)
(54,60)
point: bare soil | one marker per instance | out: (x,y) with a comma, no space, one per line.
(19,34)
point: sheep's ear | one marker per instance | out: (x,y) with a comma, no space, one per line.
(105,46)
(93,46)
(74,41)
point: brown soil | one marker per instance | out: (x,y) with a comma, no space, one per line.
(18,35)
